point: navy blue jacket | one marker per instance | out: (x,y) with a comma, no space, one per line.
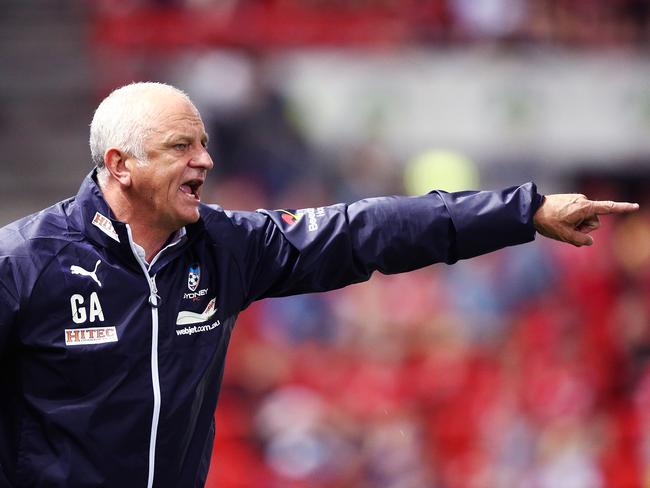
(110,367)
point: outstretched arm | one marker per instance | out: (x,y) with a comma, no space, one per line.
(299,251)
(571,217)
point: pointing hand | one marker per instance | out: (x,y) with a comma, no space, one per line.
(571,217)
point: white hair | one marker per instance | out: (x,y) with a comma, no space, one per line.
(122,120)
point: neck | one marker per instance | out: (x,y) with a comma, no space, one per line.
(145,232)
(149,238)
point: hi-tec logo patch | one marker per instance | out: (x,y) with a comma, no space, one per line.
(78,270)
(194,277)
(92,335)
(106,226)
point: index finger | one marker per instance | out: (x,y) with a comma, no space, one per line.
(601,207)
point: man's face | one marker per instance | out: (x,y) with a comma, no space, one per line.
(167,188)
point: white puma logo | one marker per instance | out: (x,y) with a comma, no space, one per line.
(78,270)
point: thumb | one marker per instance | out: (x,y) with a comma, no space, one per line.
(589,225)
(579,239)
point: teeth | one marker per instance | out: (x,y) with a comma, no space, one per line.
(190,191)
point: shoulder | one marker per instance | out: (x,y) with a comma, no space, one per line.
(219,221)
(29,244)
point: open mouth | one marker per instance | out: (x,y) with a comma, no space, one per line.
(192,189)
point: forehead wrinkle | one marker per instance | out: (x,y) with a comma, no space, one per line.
(174,119)
(172,122)
(188,129)
(172,109)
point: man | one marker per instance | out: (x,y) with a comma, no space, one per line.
(116,306)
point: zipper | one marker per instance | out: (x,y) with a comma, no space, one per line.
(154,302)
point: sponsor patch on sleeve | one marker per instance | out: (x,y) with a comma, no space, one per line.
(312,215)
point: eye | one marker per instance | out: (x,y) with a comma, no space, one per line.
(181,146)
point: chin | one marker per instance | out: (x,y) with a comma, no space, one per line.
(191,217)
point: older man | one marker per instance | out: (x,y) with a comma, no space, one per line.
(117,305)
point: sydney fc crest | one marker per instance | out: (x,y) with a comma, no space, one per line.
(194,277)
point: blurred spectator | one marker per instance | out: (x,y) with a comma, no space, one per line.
(477,19)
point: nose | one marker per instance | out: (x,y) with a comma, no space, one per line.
(202,160)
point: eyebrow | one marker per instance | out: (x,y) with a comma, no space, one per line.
(174,138)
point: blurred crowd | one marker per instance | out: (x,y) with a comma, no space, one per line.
(573,22)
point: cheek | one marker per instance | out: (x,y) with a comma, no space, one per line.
(144,179)
(163,185)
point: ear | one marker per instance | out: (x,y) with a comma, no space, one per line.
(118,165)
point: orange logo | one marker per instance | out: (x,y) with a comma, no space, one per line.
(290,218)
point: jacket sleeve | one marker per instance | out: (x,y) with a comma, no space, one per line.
(289,252)
(9,303)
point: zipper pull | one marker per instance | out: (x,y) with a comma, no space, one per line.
(154,298)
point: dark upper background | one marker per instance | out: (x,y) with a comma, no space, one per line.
(336,95)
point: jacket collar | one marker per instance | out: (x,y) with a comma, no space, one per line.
(97,220)
(99,224)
